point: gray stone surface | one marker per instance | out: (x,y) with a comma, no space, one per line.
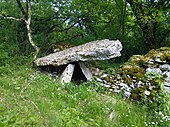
(165,67)
(158,60)
(96,50)
(154,70)
(86,71)
(67,74)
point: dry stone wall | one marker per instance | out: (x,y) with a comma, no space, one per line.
(141,75)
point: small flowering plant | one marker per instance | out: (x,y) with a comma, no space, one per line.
(159,104)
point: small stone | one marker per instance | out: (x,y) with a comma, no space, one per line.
(116,91)
(107,86)
(139,84)
(158,60)
(134,80)
(165,67)
(150,61)
(166,84)
(127,94)
(103,76)
(123,85)
(104,81)
(128,76)
(168,79)
(99,80)
(56,50)
(113,87)
(155,70)
(167,74)
(132,85)
(134,77)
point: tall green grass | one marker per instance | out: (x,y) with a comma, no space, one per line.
(30,98)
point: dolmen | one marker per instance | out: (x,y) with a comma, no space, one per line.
(70,64)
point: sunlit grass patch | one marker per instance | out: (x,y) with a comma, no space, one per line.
(30,98)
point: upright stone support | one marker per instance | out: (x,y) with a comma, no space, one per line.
(86,71)
(67,74)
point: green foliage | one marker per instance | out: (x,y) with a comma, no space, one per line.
(4,56)
(158,105)
(80,21)
(129,114)
(159,110)
(153,22)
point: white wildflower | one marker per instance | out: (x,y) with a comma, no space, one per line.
(147,92)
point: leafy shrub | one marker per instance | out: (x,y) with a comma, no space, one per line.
(4,56)
(159,110)
(158,104)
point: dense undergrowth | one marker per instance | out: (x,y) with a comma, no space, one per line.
(29,98)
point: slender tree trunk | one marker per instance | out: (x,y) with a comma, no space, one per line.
(27,19)
(123,18)
(28,23)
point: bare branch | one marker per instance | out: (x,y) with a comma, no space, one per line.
(68,28)
(10,18)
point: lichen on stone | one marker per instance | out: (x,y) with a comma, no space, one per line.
(133,73)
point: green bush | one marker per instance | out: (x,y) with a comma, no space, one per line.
(4,56)
(158,104)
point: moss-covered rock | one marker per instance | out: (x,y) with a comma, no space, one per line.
(135,74)
(133,70)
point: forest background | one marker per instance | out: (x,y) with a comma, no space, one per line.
(136,23)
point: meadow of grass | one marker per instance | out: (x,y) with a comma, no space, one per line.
(30,98)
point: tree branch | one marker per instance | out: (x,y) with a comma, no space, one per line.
(68,28)
(10,18)
(21,7)
(52,28)
(27,19)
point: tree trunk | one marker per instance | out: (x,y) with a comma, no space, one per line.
(28,22)
(27,19)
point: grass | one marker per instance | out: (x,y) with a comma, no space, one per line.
(29,98)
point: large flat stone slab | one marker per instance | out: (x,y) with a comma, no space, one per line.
(95,50)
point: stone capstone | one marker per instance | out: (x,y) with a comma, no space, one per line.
(95,50)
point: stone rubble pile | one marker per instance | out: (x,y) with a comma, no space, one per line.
(139,76)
